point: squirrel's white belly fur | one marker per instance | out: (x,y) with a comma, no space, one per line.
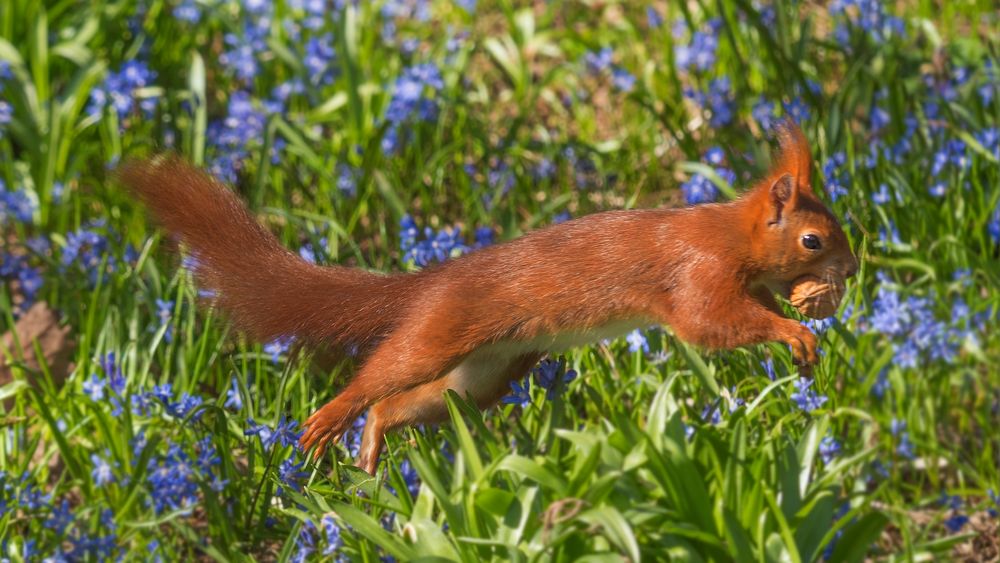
(489,363)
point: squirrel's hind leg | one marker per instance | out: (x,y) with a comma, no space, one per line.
(426,404)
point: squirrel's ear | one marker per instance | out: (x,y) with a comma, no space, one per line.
(782,197)
(794,157)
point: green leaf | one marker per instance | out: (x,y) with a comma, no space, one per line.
(858,538)
(616,528)
(530,469)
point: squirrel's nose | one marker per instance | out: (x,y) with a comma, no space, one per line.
(852,267)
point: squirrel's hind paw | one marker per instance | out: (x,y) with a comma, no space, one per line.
(323,429)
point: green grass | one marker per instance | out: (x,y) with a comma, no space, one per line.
(623,462)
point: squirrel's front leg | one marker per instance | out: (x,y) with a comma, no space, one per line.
(800,339)
(741,320)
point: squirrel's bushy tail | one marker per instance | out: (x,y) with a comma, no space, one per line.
(268,291)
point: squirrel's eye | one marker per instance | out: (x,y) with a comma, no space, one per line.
(811,242)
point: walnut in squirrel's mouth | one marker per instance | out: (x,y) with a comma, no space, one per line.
(816,298)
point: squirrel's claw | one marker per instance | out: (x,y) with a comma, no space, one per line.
(323,429)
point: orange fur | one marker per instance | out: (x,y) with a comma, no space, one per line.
(476,322)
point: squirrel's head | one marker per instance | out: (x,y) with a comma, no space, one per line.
(794,234)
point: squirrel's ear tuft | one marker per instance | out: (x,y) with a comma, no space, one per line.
(794,157)
(782,194)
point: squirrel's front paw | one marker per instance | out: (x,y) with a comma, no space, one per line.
(803,343)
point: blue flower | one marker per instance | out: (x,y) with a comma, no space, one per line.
(262,431)
(552,376)
(622,79)
(87,249)
(6,115)
(18,204)
(435,247)
(653,18)
(763,114)
(890,315)
(637,341)
(715,156)
(837,175)
(172,481)
(993,227)
(232,137)
(94,387)
(829,448)
(797,110)
(305,543)
(352,438)
(871,17)
(164,310)
(284,433)
(879,118)
(905,447)
(598,61)
(805,398)
(484,237)
(183,406)
(699,189)
(241,58)
(331,532)
(233,398)
(347,181)
(290,474)
(320,58)
(59,518)
(409,98)
(277,347)
(881,384)
(410,477)
(102,472)
(881,197)
(719,100)
(768,366)
(308,251)
(188,11)
(956,522)
(119,88)
(519,395)
(699,54)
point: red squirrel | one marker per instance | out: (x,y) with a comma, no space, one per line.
(477,322)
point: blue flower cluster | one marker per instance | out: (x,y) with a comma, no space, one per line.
(306,541)
(89,250)
(805,397)
(413,95)
(836,175)
(598,62)
(16,205)
(433,247)
(869,16)
(698,54)
(6,111)
(549,374)
(904,447)
(18,268)
(119,91)
(174,476)
(956,521)
(829,449)
(916,333)
(700,189)
(233,137)
(283,434)
(719,100)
